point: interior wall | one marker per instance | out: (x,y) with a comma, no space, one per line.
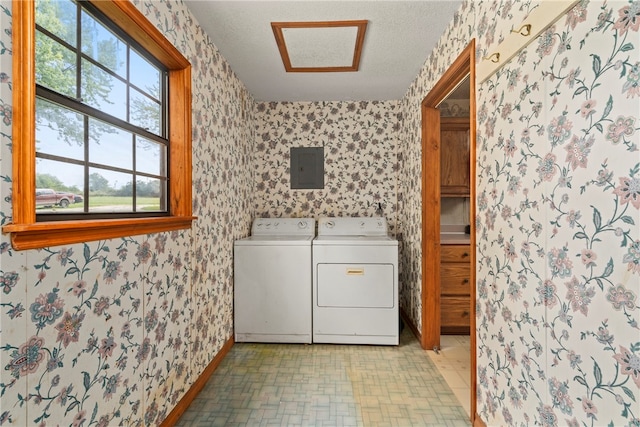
(557,220)
(115,332)
(557,213)
(360,141)
(454,211)
(454,108)
(453,41)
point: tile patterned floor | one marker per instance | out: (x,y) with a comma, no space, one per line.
(454,364)
(326,385)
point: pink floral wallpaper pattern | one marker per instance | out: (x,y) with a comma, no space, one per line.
(557,219)
(115,332)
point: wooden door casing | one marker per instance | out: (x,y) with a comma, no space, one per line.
(462,67)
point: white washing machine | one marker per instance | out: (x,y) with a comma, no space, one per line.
(355,282)
(272,281)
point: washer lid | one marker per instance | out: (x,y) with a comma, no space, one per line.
(275,240)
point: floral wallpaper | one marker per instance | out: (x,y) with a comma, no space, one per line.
(558,208)
(115,332)
(360,158)
(558,215)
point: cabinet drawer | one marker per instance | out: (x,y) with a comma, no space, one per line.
(455,253)
(455,311)
(454,279)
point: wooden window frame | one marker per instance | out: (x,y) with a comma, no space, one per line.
(25,232)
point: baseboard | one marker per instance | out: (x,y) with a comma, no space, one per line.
(477,421)
(197,386)
(407,322)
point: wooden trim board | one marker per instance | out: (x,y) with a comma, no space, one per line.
(197,386)
(278,27)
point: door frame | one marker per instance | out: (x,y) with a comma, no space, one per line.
(462,67)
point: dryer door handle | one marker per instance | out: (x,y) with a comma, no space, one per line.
(355,271)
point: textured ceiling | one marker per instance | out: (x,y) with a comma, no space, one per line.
(400,35)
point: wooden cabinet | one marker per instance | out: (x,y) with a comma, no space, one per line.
(455,286)
(455,266)
(454,156)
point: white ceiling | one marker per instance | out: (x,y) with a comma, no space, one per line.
(400,35)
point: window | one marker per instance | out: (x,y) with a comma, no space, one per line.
(102,125)
(100,117)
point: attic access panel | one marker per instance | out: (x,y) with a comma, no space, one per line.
(323,46)
(307,168)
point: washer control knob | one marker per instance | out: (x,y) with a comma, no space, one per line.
(302,224)
(330,224)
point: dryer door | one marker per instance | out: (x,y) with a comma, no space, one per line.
(356,285)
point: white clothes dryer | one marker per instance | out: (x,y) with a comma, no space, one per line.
(272,281)
(355,282)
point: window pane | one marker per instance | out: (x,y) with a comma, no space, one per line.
(145,112)
(59,131)
(58,187)
(103,91)
(82,146)
(110,191)
(58,17)
(102,45)
(109,145)
(55,66)
(148,195)
(150,157)
(144,75)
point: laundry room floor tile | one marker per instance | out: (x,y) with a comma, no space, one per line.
(326,385)
(454,364)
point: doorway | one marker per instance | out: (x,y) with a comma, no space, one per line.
(462,70)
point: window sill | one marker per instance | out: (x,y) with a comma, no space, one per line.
(53,233)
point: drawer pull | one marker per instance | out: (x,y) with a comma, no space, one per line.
(465,281)
(355,271)
(465,254)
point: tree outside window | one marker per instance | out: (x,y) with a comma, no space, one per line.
(100,114)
